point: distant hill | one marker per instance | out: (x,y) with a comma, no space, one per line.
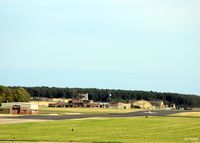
(181,100)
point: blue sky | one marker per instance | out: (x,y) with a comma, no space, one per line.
(121,44)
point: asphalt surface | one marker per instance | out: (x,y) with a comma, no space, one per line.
(111,115)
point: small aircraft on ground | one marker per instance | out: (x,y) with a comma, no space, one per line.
(149,112)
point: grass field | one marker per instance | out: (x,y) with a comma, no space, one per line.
(48,110)
(187,114)
(122,130)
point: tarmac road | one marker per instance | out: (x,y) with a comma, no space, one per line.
(111,115)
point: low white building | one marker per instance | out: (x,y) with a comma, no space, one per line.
(21,107)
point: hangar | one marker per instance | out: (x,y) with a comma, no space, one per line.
(20,108)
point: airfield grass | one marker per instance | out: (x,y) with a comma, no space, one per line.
(188,114)
(52,110)
(110,130)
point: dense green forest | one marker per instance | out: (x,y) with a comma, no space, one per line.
(181,100)
(14,94)
(20,94)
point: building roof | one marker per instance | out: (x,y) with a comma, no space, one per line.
(21,104)
(156,103)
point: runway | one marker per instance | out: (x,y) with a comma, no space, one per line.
(110,115)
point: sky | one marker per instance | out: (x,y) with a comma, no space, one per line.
(151,45)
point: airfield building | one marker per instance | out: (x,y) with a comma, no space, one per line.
(20,107)
(120,105)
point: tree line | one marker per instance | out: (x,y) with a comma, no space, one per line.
(102,95)
(13,94)
(23,94)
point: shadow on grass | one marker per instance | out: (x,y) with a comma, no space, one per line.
(13,140)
